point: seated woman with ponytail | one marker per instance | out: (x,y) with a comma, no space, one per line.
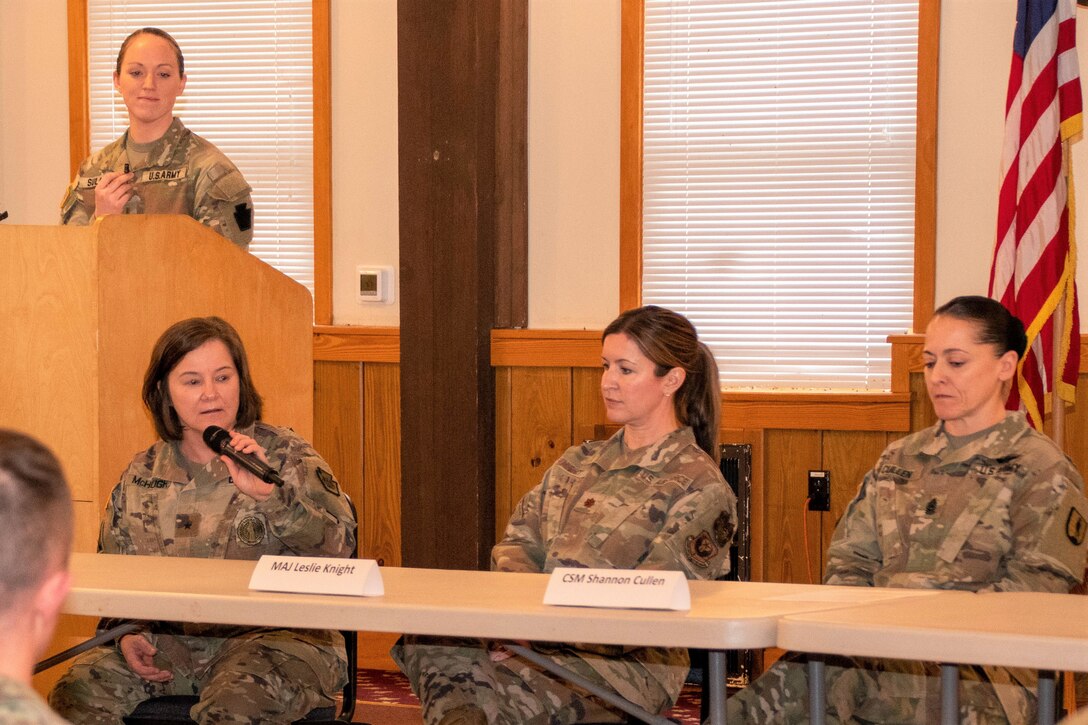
(649,497)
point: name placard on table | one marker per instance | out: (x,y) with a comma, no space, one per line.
(317,575)
(618,588)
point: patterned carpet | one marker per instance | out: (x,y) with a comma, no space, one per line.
(384,698)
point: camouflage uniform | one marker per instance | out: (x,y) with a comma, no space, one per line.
(665,506)
(184,174)
(168,506)
(20,705)
(1000,511)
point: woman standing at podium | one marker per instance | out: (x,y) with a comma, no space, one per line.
(179,498)
(650,497)
(158,166)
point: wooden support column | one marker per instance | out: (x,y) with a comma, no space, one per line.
(462,182)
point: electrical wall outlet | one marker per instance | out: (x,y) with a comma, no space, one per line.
(819,490)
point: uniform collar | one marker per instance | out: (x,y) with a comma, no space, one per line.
(994,444)
(171,465)
(162,150)
(613,455)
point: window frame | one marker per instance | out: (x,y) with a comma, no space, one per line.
(79,133)
(631,162)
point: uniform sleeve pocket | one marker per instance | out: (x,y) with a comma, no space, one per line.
(230,187)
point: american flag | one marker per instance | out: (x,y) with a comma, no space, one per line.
(1035,254)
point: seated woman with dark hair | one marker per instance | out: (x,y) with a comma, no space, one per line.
(179,498)
(979,502)
(650,497)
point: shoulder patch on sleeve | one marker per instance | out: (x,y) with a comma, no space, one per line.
(723,529)
(1075,526)
(328,482)
(243,216)
(1064,532)
(701,549)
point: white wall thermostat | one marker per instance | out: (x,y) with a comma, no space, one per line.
(375,284)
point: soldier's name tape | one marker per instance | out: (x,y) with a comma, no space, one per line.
(317,575)
(143,176)
(618,588)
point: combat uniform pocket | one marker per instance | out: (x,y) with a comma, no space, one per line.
(979,539)
(622,528)
(887,517)
(228,186)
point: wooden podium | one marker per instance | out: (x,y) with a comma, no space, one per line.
(81,308)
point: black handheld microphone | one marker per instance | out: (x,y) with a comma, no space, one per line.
(218,440)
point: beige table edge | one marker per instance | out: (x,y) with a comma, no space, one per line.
(724,615)
(1022,629)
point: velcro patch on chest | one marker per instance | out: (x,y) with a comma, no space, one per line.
(701,549)
(149,482)
(989,470)
(895,473)
(149,175)
(186,525)
(251,530)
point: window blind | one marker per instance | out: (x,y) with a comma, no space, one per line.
(778,183)
(250,92)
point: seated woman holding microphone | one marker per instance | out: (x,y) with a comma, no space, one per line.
(181,498)
(979,502)
(650,497)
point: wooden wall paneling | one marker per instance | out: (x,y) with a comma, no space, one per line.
(539,429)
(789,456)
(357,344)
(338,424)
(848,456)
(382,453)
(817,411)
(503,449)
(1076,427)
(587,406)
(546,348)
(380,524)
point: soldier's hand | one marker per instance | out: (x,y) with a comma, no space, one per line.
(496,652)
(113,191)
(139,654)
(243,480)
